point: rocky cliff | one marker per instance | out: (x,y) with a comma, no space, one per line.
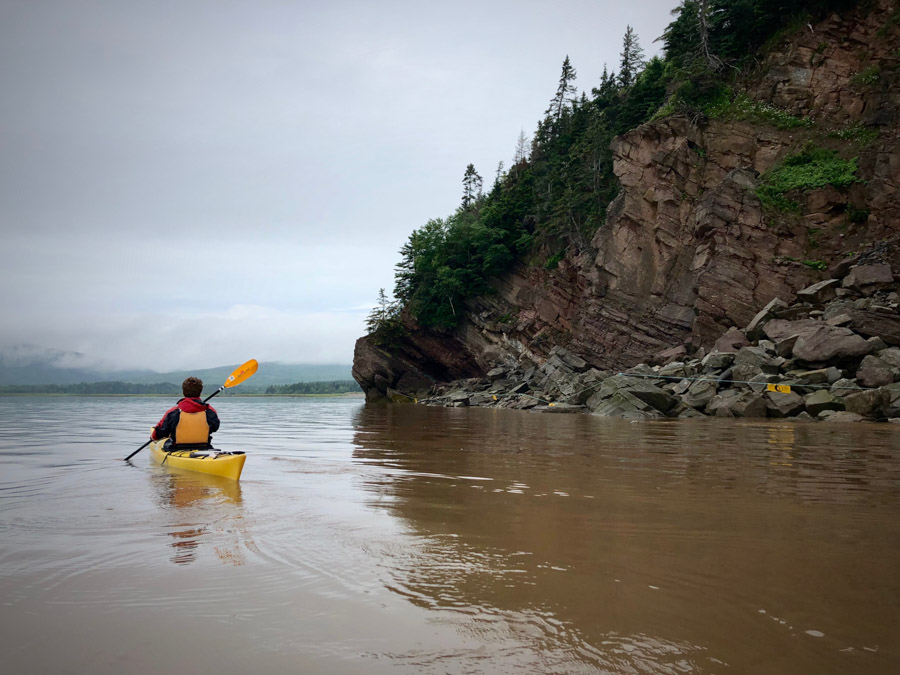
(688,250)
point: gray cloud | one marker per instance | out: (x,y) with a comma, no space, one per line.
(245,172)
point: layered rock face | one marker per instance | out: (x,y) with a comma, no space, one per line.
(688,251)
(833,354)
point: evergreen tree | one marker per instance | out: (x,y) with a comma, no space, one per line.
(565,93)
(472,186)
(521,148)
(632,58)
(498,177)
(383,323)
(381,314)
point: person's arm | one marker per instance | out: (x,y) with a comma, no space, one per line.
(212,419)
(166,426)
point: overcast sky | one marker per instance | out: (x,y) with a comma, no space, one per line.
(193,183)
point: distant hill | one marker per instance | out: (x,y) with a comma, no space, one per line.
(23,365)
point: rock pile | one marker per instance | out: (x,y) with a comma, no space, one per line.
(833,354)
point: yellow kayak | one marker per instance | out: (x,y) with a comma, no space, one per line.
(215,462)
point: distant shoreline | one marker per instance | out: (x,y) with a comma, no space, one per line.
(352,394)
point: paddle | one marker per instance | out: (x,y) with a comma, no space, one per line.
(239,375)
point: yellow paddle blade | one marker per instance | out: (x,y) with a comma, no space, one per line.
(241,374)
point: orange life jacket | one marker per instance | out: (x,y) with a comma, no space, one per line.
(192,429)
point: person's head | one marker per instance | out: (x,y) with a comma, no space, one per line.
(192,387)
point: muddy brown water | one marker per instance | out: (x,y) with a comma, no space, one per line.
(409,539)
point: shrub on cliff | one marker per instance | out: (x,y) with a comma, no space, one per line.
(811,168)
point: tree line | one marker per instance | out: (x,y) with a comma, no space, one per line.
(94,388)
(169,389)
(330,387)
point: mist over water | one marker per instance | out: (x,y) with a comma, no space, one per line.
(406,539)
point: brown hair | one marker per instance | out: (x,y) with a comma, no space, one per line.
(192,387)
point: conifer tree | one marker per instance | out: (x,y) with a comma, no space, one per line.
(472,185)
(498,177)
(565,92)
(384,311)
(632,58)
(521,148)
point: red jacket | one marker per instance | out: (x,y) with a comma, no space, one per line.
(165,428)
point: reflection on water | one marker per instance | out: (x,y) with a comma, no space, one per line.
(652,547)
(407,539)
(195,498)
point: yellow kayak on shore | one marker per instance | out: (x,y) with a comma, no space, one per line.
(214,462)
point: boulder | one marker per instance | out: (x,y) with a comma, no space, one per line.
(676,369)
(699,394)
(642,389)
(872,403)
(781,329)
(818,376)
(745,372)
(891,357)
(747,404)
(827,343)
(873,372)
(842,319)
(761,382)
(876,323)
(738,403)
(783,405)
(876,344)
(758,357)
(768,345)
(621,393)
(682,386)
(717,361)
(785,346)
(893,391)
(867,279)
(666,356)
(844,386)
(622,404)
(820,292)
(572,361)
(822,400)
(723,402)
(767,313)
(731,341)
(481,399)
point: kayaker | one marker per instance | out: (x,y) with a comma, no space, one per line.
(190,422)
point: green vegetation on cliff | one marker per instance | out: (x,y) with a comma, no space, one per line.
(813,167)
(557,191)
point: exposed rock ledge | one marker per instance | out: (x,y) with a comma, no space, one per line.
(832,355)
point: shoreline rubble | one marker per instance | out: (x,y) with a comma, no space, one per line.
(833,354)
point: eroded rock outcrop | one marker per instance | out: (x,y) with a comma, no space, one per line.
(688,251)
(802,366)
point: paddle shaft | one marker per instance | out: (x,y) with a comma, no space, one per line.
(217,391)
(139,449)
